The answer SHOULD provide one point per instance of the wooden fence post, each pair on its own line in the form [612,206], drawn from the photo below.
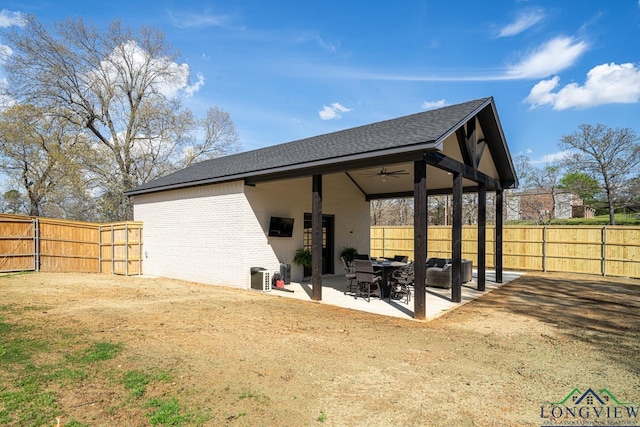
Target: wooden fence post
[126,249]
[99,249]
[544,248]
[604,250]
[139,250]
[113,251]
[36,244]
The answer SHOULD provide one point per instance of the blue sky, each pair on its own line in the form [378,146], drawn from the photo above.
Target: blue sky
[286,70]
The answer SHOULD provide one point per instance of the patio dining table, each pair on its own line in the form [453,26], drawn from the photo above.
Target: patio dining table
[386,267]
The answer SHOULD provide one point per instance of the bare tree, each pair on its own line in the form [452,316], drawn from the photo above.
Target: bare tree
[392,211]
[539,190]
[629,199]
[402,213]
[123,90]
[377,211]
[547,180]
[610,155]
[438,210]
[470,208]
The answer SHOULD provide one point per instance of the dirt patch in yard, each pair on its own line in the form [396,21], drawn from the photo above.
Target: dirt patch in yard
[233,357]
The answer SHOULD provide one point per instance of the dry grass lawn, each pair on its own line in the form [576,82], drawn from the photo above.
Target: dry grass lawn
[104,350]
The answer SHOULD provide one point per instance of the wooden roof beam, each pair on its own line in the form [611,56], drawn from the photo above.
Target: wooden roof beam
[439,160]
[467,142]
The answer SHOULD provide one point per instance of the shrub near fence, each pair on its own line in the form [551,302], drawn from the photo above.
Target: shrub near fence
[54,245]
[605,250]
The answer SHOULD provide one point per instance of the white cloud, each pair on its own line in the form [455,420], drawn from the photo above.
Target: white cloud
[524,21]
[5,52]
[430,105]
[605,84]
[547,59]
[333,111]
[5,101]
[307,37]
[168,78]
[328,46]
[550,58]
[9,19]
[199,20]
[552,158]
[191,89]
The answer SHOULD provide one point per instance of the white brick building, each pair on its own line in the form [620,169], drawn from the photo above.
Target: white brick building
[210,221]
[215,233]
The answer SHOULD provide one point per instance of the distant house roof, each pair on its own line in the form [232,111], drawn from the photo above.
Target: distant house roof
[395,139]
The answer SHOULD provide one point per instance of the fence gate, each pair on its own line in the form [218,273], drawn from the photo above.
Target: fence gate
[19,244]
[58,245]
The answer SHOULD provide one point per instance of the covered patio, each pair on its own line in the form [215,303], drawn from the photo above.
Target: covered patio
[223,205]
[437,300]
[452,150]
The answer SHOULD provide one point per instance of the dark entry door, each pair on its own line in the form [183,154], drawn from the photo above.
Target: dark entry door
[327,242]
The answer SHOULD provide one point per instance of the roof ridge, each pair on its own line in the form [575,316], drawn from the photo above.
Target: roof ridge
[373,138]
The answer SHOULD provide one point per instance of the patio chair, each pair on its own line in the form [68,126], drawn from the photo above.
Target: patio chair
[401,282]
[401,258]
[438,262]
[350,274]
[439,277]
[368,281]
[467,270]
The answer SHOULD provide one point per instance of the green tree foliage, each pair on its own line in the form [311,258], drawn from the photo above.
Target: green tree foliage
[612,156]
[12,202]
[122,90]
[39,152]
[584,186]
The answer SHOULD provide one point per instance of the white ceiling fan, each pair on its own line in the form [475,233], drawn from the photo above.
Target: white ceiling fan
[384,173]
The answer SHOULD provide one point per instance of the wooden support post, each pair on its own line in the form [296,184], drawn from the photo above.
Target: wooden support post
[420,237]
[482,237]
[316,238]
[498,237]
[456,241]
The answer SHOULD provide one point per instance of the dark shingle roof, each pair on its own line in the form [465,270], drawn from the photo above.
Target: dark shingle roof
[368,140]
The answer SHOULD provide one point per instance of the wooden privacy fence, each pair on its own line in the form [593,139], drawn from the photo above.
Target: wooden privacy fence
[55,245]
[605,250]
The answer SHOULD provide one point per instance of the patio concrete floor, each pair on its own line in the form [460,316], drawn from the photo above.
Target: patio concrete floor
[437,302]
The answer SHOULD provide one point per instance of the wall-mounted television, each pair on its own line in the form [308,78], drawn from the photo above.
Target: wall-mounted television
[280,227]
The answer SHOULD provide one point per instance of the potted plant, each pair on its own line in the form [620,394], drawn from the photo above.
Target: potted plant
[349,253]
[303,259]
